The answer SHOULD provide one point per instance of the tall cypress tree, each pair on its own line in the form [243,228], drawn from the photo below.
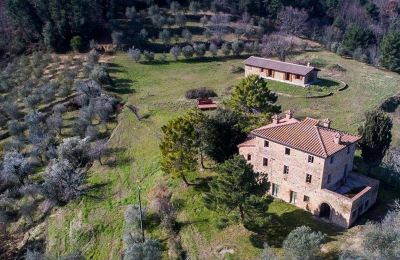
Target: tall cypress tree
[376,136]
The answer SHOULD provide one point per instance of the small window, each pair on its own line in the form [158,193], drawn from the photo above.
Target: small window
[308,178]
[297,76]
[286,169]
[287,151]
[348,149]
[329,179]
[249,157]
[306,198]
[293,197]
[275,189]
[265,161]
[311,159]
[262,70]
[266,143]
[332,159]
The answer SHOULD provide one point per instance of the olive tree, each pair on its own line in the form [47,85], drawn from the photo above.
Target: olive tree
[63,181]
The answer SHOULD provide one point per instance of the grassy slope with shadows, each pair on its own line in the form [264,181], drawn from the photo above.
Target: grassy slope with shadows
[95,224]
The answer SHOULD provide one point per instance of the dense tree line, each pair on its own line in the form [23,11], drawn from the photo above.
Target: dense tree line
[364,30]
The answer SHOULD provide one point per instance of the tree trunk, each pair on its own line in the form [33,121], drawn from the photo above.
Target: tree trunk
[185,180]
[241,213]
[202,160]
[100,160]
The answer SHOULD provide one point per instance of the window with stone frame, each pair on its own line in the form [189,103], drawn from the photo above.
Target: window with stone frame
[287,151]
[311,159]
[248,157]
[266,143]
[286,169]
[306,198]
[293,197]
[308,178]
[275,189]
[265,161]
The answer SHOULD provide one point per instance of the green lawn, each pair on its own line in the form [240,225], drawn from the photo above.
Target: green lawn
[95,223]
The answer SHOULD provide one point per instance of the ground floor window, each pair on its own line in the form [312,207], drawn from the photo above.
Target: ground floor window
[306,198]
[249,157]
[275,189]
[293,197]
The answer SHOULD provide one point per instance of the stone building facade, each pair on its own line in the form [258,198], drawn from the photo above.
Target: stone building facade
[281,71]
[310,165]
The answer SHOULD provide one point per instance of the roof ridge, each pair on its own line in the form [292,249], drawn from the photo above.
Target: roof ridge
[336,130]
[320,140]
[275,126]
[281,61]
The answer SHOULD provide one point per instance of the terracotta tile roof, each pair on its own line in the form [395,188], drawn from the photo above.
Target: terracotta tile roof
[307,136]
[278,65]
[250,142]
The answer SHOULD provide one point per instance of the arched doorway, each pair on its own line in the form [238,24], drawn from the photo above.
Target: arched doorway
[324,211]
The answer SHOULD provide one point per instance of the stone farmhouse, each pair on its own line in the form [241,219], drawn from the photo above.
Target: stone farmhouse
[281,71]
[310,165]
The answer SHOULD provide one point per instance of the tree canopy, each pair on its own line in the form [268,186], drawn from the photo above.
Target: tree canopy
[390,51]
[180,145]
[376,136]
[251,95]
[237,187]
[222,134]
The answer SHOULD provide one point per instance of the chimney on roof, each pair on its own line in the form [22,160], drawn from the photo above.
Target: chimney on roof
[338,138]
[275,119]
[289,114]
[326,123]
[308,64]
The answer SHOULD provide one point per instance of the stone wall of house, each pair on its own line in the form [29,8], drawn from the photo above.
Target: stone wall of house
[310,196]
[277,75]
[337,166]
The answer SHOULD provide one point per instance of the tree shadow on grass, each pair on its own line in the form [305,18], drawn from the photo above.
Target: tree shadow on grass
[114,68]
[122,86]
[325,83]
[278,227]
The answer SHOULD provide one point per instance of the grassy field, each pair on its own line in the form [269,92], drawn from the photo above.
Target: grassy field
[95,224]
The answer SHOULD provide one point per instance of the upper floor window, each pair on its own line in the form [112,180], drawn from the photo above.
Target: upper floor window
[287,151]
[332,159]
[266,143]
[308,178]
[249,157]
[311,159]
[348,149]
[286,169]
[306,198]
[265,161]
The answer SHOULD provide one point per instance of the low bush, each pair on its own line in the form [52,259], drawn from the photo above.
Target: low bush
[200,93]
[237,69]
